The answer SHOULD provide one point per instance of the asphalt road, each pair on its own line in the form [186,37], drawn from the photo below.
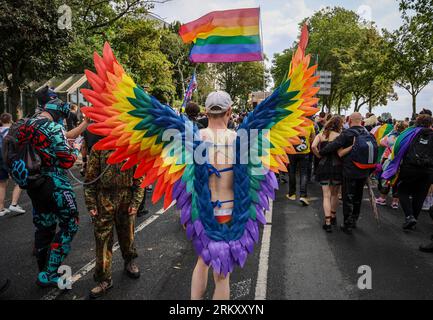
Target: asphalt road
[303,261]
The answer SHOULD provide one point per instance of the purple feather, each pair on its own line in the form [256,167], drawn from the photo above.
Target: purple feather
[206,256]
[198,245]
[263,201]
[242,257]
[183,198]
[254,231]
[267,188]
[189,231]
[260,216]
[198,227]
[272,180]
[178,187]
[216,265]
[224,268]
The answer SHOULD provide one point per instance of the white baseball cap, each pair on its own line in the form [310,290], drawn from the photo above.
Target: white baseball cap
[218,102]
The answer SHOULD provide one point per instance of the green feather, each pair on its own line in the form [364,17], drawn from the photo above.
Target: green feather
[253,212]
[138,104]
[141,95]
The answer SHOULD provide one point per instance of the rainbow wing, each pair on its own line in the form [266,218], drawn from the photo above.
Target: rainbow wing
[133,124]
[284,115]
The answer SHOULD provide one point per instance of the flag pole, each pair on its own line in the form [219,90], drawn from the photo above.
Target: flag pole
[263,61]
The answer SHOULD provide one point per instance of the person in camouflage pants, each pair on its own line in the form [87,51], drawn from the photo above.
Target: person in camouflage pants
[112,200]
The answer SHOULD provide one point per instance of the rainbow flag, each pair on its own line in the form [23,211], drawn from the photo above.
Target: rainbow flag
[190,91]
[379,133]
[225,36]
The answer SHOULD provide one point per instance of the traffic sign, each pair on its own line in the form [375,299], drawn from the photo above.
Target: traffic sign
[325,82]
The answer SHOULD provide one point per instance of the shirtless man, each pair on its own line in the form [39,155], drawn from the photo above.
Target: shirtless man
[220,139]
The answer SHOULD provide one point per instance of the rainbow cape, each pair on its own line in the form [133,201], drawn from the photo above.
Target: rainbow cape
[401,146]
[379,133]
[225,36]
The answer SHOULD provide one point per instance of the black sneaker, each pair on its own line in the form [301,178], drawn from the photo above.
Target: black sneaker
[327,228]
[428,248]
[334,219]
[346,229]
[409,223]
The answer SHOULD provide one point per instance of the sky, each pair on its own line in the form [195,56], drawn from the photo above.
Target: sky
[280,20]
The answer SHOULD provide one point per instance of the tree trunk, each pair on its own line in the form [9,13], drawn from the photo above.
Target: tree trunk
[14,94]
[182,80]
[356,105]
[413,105]
[340,101]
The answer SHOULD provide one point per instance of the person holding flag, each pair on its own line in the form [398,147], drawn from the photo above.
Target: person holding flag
[189,91]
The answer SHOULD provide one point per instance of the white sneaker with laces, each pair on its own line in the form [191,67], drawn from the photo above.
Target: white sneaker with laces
[4,212]
[16,209]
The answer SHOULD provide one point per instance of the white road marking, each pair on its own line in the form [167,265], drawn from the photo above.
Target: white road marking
[162,210]
[53,294]
[262,276]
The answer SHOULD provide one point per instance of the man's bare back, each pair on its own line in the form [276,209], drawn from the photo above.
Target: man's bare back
[221,157]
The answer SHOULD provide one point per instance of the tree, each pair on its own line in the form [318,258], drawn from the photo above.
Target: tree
[386,116]
[29,43]
[240,79]
[281,65]
[97,21]
[33,47]
[144,60]
[330,29]
[366,70]
[95,16]
[412,46]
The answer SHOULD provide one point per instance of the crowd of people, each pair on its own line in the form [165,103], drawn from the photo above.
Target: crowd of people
[341,153]
[339,145]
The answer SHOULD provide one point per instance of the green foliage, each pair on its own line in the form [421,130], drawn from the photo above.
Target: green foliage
[240,79]
[143,60]
[366,70]
[412,47]
[30,43]
[355,53]
[332,28]
[281,65]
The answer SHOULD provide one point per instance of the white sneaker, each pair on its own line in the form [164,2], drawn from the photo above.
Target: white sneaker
[16,209]
[4,212]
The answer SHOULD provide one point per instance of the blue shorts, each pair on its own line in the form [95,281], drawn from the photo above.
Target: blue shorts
[4,175]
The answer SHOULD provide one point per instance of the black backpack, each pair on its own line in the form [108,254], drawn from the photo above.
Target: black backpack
[364,151]
[20,157]
[420,152]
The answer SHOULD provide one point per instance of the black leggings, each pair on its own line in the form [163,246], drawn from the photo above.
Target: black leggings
[412,191]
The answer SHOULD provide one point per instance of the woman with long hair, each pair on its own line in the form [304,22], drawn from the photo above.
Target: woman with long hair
[330,170]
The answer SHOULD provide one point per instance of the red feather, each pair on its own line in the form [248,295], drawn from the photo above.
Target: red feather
[303,42]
